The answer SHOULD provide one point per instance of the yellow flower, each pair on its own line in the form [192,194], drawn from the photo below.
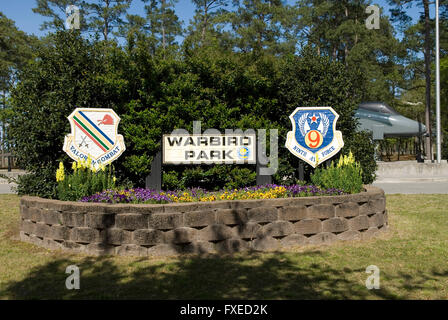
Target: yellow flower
[341,161]
[82,164]
[350,156]
[60,175]
[114,179]
[86,164]
[74,166]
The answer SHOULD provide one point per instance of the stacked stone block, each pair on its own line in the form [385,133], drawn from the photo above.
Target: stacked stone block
[196,228]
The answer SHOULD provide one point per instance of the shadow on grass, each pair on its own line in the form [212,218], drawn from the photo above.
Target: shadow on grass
[250,276]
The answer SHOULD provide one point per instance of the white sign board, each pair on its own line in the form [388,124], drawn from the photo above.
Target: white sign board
[94,133]
[314,137]
[209,149]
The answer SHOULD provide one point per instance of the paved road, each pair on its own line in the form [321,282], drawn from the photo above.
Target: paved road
[6,188]
[413,187]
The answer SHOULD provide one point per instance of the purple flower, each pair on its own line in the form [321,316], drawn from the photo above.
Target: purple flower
[140,195]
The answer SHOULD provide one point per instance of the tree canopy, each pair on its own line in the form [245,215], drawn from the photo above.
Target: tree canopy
[237,64]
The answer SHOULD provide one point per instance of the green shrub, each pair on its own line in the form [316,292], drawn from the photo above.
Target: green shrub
[153,96]
[40,183]
[346,175]
[171,181]
[69,72]
[361,144]
[83,181]
[209,177]
[313,80]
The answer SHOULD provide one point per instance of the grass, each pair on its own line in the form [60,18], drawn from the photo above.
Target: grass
[411,256]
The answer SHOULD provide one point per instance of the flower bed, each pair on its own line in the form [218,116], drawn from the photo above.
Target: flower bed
[148,196]
[203,227]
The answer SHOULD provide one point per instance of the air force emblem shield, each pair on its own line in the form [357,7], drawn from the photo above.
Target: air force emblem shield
[95,134]
[314,138]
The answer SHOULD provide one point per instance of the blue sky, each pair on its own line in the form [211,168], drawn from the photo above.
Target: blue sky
[21,12]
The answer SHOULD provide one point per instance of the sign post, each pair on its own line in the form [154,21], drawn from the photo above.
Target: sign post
[154,180]
[438,121]
[193,149]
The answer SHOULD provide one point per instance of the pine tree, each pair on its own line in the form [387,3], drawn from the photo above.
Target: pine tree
[16,49]
[204,29]
[56,11]
[105,15]
[337,29]
[164,24]
[264,25]
[421,33]
[101,16]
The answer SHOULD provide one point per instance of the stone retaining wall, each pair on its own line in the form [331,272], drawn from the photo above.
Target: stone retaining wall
[222,226]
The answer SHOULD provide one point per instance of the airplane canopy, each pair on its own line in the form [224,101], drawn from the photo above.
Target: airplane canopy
[378,107]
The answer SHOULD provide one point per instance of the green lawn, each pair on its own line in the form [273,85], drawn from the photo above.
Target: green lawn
[412,258]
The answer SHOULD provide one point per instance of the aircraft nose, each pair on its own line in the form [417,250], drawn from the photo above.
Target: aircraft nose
[408,126]
[423,127]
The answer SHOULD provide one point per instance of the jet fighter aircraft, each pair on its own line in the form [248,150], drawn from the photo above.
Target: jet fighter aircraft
[385,122]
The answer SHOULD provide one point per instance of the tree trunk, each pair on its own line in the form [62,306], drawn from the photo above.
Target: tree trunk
[260,35]
[106,30]
[346,49]
[106,22]
[3,135]
[427,53]
[163,25]
[204,25]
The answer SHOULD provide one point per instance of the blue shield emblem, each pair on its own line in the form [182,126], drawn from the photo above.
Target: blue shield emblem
[314,138]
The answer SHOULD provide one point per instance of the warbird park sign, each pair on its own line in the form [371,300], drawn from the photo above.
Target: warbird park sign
[208,149]
[95,134]
[314,137]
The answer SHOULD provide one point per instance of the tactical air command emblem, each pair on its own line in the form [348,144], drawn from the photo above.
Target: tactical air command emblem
[95,134]
[314,138]
[244,153]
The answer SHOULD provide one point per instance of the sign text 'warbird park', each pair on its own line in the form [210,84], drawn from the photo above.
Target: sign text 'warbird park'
[209,148]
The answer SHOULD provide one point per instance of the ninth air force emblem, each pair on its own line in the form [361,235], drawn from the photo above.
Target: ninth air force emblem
[314,138]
